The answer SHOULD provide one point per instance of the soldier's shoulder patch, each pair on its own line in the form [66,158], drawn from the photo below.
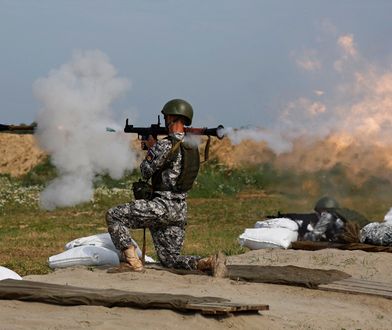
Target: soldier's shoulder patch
[150,156]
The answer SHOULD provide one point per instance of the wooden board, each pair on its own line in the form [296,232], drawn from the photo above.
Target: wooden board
[287,275]
[327,280]
[71,295]
[226,307]
[357,286]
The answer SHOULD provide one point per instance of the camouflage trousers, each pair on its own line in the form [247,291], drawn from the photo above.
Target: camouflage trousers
[166,220]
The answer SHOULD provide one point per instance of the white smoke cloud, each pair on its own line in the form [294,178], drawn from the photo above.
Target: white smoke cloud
[76,109]
[275,140]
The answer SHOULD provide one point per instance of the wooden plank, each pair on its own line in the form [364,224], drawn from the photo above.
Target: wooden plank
[358,286]
[70,295]
[367,283]
[287,275]
[353,286]
[226,307]
[345,289]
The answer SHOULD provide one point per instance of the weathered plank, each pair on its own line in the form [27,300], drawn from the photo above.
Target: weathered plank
[288,275]
[358,286]
[226,307]
[367,283]
[71,295]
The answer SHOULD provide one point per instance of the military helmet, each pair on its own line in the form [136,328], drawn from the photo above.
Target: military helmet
[178,107]
[326,203]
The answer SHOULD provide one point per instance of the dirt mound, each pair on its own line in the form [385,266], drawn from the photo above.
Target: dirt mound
[248,152]
[19,154]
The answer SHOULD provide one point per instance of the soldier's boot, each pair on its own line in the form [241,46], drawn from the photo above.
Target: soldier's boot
[215,264]
[132,262]
[132,259]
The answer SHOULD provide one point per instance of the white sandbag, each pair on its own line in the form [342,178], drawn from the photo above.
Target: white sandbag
[277,223]
[8,273]
[103,240]
[85,256]
[262,238]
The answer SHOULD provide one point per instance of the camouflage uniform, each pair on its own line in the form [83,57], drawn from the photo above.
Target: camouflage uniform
[328,228]
[165,215]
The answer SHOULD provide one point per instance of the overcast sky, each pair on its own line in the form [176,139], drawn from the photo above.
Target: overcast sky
[239,63]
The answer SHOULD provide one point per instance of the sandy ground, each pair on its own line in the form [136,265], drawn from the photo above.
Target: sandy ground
[290,307]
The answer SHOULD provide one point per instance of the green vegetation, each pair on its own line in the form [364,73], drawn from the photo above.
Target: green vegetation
[222,204]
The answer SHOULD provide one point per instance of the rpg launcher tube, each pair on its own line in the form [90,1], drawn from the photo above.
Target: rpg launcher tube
[156,129]
[219,131]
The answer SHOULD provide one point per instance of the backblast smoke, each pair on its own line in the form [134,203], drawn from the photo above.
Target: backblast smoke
[76,109]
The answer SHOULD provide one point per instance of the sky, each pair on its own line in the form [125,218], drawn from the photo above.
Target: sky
[274,71]
[239,63]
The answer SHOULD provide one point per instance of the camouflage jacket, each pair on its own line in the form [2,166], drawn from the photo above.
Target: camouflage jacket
[156,158]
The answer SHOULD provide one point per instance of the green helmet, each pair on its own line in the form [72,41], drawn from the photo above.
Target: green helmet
[326,203]
[178,107]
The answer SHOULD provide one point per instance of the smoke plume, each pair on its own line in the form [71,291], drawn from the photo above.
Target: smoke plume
[344,122]
[76,109]
[273,139]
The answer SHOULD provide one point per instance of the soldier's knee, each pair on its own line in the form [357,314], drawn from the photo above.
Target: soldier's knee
[109,217]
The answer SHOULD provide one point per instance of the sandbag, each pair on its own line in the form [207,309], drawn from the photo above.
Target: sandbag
[103,240]
[8,273]
[85,256]
[277,223]
[262,238]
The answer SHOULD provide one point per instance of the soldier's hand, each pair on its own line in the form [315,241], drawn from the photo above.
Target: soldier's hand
[150,141]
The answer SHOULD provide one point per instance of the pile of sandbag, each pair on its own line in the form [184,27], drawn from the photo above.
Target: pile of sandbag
[378,233]
[271,233]
[95,250]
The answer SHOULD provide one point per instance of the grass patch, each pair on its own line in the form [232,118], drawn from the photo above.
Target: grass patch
[40,174]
